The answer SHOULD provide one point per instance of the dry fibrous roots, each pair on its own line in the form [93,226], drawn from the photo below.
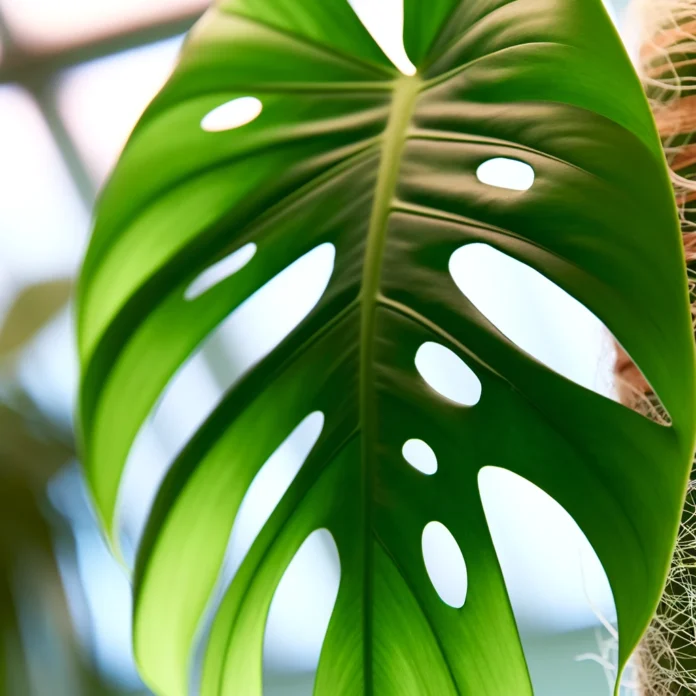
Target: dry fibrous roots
[665,33]
[666,659]
[667,65]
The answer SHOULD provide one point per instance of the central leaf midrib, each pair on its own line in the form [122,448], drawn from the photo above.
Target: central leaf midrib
[403,103]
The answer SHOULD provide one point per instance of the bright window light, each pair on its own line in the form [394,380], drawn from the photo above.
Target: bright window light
[101,101]
[385,22]
[48,24]
[43,223]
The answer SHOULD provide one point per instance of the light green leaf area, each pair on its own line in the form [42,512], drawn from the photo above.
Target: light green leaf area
[347,151]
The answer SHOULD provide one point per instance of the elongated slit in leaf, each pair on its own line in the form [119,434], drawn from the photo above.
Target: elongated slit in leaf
[220,271]
[299,615]
[519,301]
[260,500]
[554,577]
[237,343]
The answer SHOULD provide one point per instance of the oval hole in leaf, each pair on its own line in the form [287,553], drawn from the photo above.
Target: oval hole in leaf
[232,114]
[420,456]
[445,564]
[302,605]
[502,172]
[553,575]
[384,21]
[245,337]
[448,374]
[538,316]
[219,271]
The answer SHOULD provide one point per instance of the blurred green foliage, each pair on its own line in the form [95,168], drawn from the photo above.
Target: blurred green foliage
[40,654]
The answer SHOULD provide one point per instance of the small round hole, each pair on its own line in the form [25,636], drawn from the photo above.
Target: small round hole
[502,172]
[420,456]
[232,114]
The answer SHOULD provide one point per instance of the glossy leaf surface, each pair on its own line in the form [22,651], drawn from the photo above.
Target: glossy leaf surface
[346,150]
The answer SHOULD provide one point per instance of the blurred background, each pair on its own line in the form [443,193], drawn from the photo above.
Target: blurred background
[74,77]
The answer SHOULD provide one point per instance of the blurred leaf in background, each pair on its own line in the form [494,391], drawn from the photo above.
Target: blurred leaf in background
[33,308]
[40,652]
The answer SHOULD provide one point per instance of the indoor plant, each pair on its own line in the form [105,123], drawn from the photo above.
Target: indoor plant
[328,144]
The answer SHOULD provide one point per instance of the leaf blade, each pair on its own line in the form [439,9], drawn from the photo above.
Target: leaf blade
[492,88]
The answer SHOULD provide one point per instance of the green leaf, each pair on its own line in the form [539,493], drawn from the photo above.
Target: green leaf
[347,151]
[33,308]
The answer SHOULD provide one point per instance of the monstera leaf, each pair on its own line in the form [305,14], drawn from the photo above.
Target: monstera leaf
[335,146]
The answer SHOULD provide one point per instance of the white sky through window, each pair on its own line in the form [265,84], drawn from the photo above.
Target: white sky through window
[50,24]
[101,101]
